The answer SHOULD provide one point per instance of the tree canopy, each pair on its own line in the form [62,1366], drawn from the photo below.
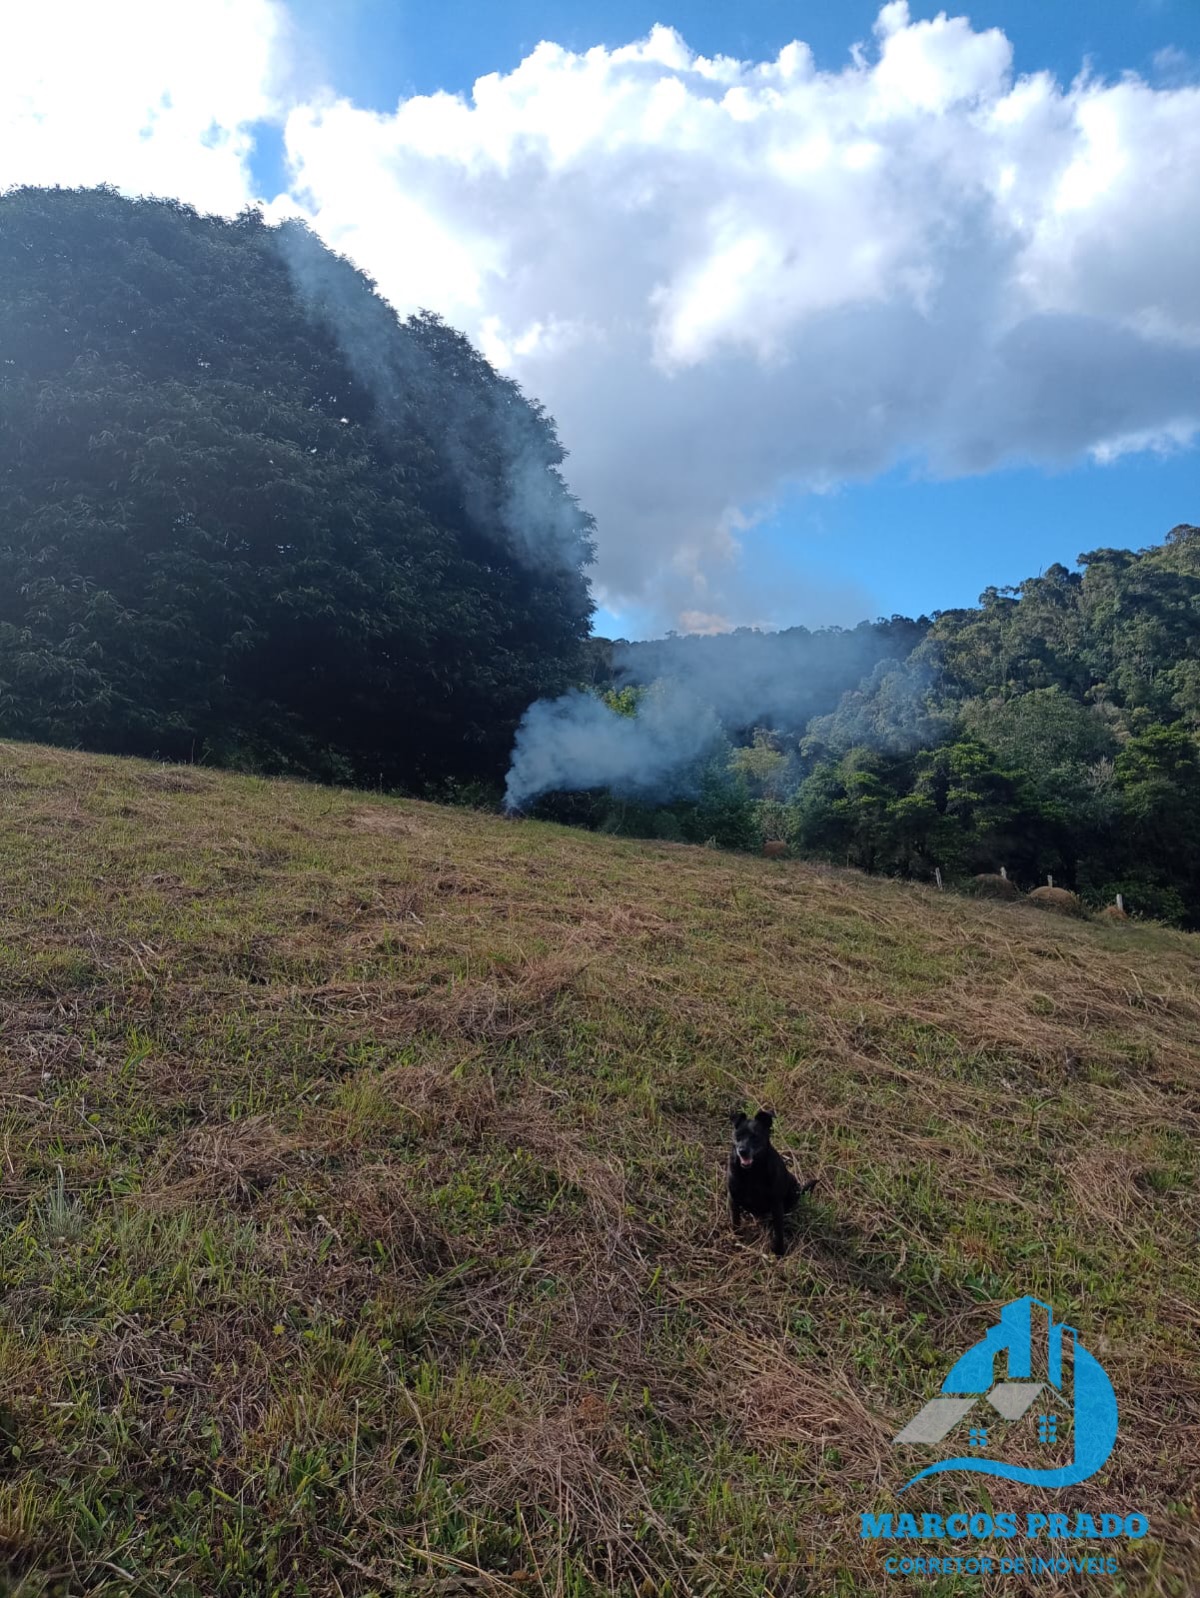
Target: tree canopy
[1052,730]
[246,512]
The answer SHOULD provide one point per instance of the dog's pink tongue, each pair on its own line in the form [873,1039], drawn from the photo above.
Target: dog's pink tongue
[744,1160]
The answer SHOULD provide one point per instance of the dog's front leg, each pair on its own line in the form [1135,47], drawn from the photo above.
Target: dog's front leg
[777,1226]
[735,1211]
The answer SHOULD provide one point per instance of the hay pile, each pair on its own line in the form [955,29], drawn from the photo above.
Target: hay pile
[991,885]
[1056,899]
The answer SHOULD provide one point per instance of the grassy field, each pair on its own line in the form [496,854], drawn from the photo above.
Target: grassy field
[363,1214]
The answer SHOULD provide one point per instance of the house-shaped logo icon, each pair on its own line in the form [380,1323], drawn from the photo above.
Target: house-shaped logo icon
[1075,1394]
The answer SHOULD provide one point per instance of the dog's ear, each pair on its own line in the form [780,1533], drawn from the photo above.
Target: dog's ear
[764,1119]
[737,1117]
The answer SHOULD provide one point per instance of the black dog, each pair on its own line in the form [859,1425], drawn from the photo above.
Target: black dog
[759,1181]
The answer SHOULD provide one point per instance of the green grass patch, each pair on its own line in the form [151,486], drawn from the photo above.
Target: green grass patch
[363,1215]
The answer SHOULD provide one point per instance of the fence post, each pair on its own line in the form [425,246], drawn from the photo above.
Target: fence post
[937,871]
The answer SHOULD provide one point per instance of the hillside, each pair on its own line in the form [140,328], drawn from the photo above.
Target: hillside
[249,516]
[362,1174]
[1053,730]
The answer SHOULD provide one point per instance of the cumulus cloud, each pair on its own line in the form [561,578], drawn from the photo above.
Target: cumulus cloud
[729,281]
[154,98]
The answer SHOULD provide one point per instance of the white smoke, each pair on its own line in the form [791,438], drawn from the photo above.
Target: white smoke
[780,680]
[893,711]
[578,741]
[697,691]
[482,413]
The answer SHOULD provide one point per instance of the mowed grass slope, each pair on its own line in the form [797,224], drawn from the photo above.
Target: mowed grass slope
[363,1214]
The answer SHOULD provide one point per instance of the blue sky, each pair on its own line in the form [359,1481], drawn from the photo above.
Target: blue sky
[929,545]
[904,540]
[379,50]
[829,330]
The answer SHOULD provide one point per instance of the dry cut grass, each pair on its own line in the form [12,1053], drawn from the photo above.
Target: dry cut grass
[364,1233]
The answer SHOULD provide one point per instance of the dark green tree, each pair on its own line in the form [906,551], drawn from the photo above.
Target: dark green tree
[1052,729]
[1158,778]
[246,512]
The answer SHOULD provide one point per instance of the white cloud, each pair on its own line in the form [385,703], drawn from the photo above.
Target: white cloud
[1174,66]
[726,278]
[723,278]
[154,96]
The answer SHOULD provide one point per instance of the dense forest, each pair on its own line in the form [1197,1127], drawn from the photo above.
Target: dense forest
[1050,731]
[250,516]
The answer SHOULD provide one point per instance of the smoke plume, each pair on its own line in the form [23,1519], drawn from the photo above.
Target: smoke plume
[499,446]
[781,680]
[703,690]
[893,711]
[577,742]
